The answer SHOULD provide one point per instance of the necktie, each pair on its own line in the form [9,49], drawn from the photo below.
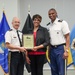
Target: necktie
[19,38]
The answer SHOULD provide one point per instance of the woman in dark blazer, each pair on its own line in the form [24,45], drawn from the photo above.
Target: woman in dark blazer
[41,41]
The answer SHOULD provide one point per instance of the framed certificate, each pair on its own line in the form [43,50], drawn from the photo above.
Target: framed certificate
[28,41]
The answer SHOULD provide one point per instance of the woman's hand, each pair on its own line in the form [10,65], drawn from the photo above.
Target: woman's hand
[35,48]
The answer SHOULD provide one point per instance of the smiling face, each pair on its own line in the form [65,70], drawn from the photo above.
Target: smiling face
[52,14]
[36,20]
[16,23]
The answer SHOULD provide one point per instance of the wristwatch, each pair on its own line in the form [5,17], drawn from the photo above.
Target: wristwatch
[67,50]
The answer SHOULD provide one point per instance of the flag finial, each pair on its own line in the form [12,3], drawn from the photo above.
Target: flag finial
[29,9]
[3,6]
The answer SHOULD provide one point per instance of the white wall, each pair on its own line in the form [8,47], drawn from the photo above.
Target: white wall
[65,9]
[11,9]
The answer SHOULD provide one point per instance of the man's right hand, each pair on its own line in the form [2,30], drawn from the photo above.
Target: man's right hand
[22,49]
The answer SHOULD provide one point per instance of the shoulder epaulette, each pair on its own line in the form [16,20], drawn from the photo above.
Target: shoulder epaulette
[48,23]
[10,29]
[60,20]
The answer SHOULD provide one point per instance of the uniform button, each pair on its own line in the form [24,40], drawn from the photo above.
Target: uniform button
[55,46]
[57,32]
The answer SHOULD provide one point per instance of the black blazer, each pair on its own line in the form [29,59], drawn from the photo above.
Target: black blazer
[42,37]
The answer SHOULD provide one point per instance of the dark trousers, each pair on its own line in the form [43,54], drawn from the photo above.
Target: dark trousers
[57,61]
[16,63]
[37,62]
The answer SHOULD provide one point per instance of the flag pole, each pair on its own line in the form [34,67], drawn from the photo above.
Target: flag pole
[65,66]
[3,11]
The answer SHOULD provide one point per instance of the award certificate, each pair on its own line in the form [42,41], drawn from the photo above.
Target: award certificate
[28,41]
